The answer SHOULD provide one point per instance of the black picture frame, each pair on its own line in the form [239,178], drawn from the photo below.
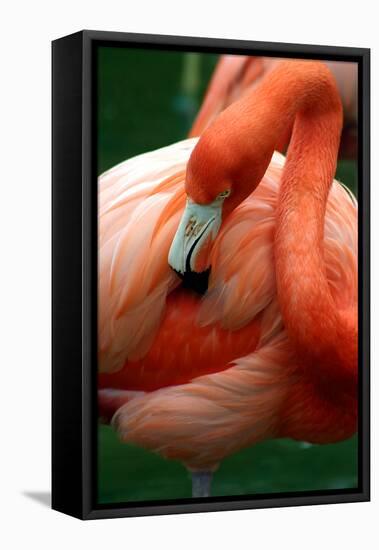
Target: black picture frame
[74,272]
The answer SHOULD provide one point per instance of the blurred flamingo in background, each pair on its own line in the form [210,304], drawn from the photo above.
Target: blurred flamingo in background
[269,347]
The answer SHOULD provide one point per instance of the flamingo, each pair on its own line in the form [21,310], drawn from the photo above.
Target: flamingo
[265,345]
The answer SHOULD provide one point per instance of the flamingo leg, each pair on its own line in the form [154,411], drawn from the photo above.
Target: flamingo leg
[201,484]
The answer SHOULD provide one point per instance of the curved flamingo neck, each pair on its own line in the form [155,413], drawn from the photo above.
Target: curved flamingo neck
[301,96]
[324,337]
[321,333]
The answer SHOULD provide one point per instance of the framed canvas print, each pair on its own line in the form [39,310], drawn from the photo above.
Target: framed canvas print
[210,274]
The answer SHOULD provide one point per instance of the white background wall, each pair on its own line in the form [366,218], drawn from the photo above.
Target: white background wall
[26,31]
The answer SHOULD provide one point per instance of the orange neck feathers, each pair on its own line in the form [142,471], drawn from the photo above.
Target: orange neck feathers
[235,151]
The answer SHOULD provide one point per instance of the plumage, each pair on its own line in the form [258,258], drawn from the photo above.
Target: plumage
[200,377]
[223,362]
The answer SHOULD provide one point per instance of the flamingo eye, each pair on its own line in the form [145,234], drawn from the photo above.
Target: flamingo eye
[224,194]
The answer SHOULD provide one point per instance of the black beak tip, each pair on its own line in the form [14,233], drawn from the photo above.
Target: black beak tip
[198,282]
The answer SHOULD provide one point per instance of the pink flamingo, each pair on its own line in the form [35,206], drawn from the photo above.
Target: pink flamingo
[270,349]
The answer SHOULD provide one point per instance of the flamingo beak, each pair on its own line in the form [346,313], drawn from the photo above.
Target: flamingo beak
[197,230]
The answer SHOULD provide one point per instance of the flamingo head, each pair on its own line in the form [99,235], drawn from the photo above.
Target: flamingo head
[214,187]
[198,228]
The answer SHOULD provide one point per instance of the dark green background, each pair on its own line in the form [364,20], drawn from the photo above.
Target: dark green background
[148,99]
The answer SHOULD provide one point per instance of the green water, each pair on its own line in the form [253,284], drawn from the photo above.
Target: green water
[147,100]
[128,473]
